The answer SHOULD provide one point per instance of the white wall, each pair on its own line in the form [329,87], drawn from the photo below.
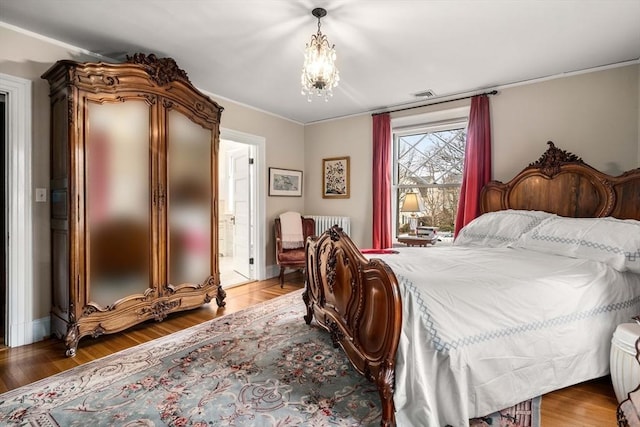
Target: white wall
[593,115]
[348,137]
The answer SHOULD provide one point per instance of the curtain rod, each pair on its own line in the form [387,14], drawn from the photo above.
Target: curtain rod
[493,92]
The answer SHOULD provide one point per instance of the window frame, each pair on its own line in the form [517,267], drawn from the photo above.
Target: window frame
[412,125]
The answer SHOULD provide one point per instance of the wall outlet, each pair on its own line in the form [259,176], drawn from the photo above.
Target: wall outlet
[41,195]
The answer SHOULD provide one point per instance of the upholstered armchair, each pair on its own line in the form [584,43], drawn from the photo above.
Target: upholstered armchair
[292,258]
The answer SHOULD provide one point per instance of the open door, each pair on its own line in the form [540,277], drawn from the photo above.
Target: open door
[242,206]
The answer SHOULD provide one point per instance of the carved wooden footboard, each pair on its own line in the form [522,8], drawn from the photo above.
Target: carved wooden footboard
[358,302]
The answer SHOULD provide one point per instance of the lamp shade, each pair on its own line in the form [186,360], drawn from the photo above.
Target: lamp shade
[412,203]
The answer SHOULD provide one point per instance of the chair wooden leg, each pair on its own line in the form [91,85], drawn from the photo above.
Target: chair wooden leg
[282,277]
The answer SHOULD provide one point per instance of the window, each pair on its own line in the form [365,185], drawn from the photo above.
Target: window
[428,160]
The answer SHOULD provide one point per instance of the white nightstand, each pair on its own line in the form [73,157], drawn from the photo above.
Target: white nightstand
[625,369]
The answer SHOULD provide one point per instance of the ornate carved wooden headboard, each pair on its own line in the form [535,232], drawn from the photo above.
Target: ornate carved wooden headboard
[561,183]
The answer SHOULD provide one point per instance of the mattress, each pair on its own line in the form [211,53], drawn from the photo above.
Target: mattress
[486,328]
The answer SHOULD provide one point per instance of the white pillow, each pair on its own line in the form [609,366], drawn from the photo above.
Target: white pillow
[500,228]
[610,240]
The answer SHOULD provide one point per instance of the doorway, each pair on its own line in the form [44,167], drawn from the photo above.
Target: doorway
[237,213]
[20,328]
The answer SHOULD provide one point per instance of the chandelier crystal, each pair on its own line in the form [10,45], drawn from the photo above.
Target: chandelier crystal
[319,72]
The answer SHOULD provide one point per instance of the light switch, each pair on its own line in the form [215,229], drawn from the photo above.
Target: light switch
[41,194]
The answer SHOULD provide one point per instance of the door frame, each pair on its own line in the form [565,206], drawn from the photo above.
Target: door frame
[21,329]
[259,230]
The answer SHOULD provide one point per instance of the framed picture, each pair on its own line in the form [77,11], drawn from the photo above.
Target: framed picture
[335,178]
[285,182]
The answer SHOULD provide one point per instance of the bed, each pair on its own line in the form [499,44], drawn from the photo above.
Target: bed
[524,302]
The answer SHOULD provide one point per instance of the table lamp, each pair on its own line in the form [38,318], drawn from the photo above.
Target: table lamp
[412,203]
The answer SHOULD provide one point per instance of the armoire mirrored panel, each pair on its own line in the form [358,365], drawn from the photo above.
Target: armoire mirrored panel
[190,193]
[117,189]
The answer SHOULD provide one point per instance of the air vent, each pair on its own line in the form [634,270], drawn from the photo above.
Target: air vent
[425,94]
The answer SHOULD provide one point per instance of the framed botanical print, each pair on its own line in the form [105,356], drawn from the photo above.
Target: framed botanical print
[285,182]
[335,178]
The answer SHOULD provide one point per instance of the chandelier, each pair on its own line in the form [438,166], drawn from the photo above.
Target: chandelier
[319,72]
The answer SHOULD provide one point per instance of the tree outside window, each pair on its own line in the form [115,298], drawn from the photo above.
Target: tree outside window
[430,162]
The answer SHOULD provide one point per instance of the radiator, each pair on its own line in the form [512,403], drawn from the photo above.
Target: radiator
[325,222]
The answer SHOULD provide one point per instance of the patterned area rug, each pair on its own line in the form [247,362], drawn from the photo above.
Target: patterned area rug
[263,366]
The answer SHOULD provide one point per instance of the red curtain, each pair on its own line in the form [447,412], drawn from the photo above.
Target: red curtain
[477,161]
[381,181]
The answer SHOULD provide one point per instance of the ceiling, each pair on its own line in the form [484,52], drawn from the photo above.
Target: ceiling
[251,51]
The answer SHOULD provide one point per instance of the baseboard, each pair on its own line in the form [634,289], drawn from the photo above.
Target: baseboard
[272,271]
[29,332]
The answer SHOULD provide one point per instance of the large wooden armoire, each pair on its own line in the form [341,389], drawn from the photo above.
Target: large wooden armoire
[134,206]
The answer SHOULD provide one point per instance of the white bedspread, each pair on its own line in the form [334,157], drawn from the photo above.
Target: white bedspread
[486,328]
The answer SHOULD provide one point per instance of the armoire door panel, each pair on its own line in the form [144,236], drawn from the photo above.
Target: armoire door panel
[117,200]
[189,201]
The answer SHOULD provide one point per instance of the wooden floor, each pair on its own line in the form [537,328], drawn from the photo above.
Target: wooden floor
[588,404]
